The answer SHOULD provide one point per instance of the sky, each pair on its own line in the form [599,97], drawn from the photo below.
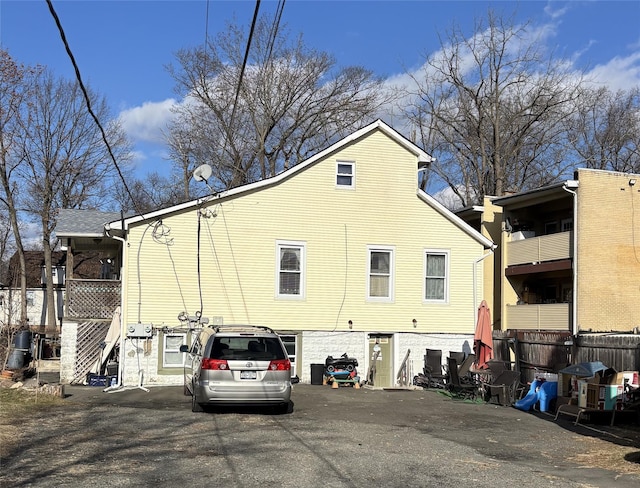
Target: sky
[122,47]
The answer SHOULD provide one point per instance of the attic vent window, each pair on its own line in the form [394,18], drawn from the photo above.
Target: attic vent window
[345,174]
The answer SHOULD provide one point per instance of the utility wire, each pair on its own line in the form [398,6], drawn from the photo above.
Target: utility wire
[244,61]
[88,102]
[274,30]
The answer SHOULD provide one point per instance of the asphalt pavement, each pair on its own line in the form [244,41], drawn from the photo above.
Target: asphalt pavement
[341,437]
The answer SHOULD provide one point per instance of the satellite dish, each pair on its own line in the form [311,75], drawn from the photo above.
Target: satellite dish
[202,173]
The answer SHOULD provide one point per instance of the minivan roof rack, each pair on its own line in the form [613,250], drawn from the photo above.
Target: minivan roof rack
[236,327]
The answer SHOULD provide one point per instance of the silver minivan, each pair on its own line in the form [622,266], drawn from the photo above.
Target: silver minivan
[238,365]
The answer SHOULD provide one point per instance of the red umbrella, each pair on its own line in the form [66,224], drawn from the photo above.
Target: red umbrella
[483,339]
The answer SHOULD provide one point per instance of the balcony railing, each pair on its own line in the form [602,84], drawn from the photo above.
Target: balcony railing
[92,299]
[549,247]
[547,316]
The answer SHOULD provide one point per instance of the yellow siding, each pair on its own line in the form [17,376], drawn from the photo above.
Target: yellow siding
[608,251]
[238,252]
[492,230]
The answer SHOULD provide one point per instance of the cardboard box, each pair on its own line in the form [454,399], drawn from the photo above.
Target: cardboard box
[629,377]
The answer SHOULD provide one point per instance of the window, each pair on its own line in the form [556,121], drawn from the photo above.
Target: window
[57,275]
[380,283]
[567,225]
[171,355]
[290,269]
[345,175]
[436,276]
[31,298]
[550,227]
[289,342]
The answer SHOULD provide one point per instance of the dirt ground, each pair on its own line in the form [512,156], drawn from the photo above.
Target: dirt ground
[334,437]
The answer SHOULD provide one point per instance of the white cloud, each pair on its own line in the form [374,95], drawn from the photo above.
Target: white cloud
[146,122]
[620,73]
[553,12]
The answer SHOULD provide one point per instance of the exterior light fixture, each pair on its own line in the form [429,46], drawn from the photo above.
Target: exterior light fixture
[350,324]
[632,181]
[415,323]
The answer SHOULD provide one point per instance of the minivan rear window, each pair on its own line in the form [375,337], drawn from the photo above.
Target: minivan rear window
[256,348]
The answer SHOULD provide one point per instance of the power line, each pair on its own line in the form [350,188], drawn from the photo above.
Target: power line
[88,102]
[274,29]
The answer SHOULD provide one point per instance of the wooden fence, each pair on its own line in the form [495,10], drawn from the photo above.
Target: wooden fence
[550,351]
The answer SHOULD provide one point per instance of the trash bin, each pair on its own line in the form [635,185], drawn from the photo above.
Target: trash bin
[22,340]
[317,374]
[16,359]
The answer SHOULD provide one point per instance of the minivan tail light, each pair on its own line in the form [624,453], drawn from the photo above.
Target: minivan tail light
[280,365]
[215,364]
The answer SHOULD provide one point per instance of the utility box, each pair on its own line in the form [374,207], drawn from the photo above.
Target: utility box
[139,330]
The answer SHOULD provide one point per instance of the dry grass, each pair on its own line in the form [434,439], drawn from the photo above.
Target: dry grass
[16,405]
[605,455]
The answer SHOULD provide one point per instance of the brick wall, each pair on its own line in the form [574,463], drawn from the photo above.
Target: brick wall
[608,261]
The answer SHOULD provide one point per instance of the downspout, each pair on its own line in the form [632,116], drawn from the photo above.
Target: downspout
[119,381]
[574,294]
[475,279]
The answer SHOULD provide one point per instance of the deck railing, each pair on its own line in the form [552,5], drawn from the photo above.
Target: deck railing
[544,316]
[92,299]
[540,249]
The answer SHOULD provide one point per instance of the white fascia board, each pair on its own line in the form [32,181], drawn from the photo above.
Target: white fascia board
[454,219]
[378,124]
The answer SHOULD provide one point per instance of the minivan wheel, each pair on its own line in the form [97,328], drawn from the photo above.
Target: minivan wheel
[195,406]
[284,408]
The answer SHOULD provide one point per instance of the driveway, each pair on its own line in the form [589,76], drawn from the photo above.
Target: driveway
[335,437]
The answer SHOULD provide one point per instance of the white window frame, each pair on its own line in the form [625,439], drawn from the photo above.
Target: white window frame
[447,269]
[351,175]
[165,349]
[291,339]
[392,266]
[302,246]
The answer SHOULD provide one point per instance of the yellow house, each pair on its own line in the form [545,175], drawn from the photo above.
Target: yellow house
[571,255]
[339,254]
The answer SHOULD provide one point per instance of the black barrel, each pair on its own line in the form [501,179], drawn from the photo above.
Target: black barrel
[317,373]
[16,359]
[22,340]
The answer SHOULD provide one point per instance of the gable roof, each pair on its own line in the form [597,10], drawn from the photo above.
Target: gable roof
[455,220]
[73,222]
[420,154]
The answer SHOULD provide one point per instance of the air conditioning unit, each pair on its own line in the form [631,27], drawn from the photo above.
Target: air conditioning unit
[139,330]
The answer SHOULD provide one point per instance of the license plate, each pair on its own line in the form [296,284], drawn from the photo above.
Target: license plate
[248,375]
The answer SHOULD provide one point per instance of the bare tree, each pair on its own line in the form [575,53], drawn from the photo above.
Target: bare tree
[490,108]
[15,84]
[604,130]
[65,161]
[292,102]
[152,192]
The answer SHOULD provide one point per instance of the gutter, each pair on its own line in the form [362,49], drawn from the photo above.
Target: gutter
[567,186]
[475,279]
